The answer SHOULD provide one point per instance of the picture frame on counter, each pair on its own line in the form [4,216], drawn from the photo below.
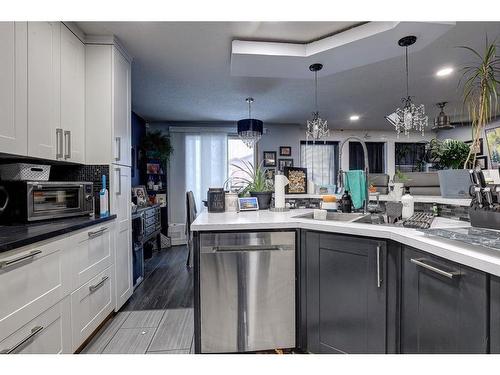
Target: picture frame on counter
[482,161]
[283,163]
[493,142]
[141,194]
[269,158]
[161,199]
[286,151]
[248,204]
[297,178]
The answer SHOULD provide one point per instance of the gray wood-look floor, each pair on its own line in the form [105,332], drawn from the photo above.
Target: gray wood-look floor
[158,318]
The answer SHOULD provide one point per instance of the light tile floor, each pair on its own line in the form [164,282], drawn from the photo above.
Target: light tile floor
[146,331]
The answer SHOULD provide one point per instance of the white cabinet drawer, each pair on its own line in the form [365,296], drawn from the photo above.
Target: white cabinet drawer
[90,305]
[32,279]
[48,333]
[91,254]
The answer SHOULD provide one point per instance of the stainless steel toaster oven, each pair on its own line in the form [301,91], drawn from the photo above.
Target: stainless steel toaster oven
[27,201]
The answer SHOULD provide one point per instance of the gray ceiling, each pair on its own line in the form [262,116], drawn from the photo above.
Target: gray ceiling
[181,72]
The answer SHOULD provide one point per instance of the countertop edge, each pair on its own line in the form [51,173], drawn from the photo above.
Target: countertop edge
[481,258]
[4,247]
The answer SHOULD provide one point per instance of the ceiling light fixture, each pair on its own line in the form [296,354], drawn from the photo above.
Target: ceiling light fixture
[411,116]
[354,118]
[317,128]
[442,121]
[444,72]
[249,129]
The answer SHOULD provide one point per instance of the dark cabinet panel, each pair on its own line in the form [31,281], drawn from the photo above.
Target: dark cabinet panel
[495,315]
[444,306]
[346,294]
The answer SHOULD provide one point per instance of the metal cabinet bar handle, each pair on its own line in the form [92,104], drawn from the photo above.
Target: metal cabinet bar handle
[67,144]
[97,232]
[34,331]
[119,178]
[93,288]
[7,263]
[59,143]
[379,278]
[420,262]
[118,148]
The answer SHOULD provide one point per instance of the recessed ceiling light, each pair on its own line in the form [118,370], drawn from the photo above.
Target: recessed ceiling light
[354,118]
[444,72]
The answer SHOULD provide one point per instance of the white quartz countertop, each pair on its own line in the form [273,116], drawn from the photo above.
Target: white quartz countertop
[484,259]
[383,198]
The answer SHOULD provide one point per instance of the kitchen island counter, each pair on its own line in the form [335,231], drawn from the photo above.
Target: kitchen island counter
[481,258]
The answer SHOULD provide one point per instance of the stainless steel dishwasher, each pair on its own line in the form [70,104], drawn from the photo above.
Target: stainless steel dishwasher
[247,291]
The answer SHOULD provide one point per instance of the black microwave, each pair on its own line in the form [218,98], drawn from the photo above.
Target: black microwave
[28,201]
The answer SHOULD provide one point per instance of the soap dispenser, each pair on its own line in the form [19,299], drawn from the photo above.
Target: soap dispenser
[408,204]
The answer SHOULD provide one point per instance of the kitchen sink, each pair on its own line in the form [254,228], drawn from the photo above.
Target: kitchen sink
[336,216]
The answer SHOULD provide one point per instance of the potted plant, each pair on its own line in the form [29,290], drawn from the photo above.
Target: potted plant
[450,158]
[157,145]
[252,180]
[398,183]
[480,95]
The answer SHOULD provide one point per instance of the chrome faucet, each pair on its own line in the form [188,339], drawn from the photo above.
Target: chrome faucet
[340,180]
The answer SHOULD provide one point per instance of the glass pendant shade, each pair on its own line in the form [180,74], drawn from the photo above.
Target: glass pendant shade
[250,130]
[317,127]
[411,117]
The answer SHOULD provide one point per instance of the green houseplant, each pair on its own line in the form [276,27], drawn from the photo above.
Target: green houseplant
[155,144]
[480,93]
[252,180]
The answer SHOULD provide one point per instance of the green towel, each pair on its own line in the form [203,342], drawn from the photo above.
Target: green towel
[355,183]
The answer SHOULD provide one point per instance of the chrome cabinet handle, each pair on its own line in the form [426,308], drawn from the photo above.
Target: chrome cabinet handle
[67,144]
[34,331]
[97,232]
[379,274]
[420,262]
[119,148]
[8,263]
[93,288]
[119,192]
[59,143]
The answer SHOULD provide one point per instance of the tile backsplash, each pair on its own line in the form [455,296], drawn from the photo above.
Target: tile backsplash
[88,173]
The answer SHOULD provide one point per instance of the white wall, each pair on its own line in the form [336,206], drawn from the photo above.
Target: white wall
[292,134]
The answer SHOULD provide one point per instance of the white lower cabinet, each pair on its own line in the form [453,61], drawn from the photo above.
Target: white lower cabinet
[48,333]
[91,253]
[90,305]
[32,279]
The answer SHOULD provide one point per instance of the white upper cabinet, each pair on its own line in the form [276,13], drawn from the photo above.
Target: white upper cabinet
[107,106]
[72,96]
[45,135]
[121,109]
[13,91]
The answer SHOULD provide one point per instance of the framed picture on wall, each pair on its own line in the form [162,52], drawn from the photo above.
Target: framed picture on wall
[480,151]
[297,178]
[282,163]
[493,142]
[269,158]
[285,151]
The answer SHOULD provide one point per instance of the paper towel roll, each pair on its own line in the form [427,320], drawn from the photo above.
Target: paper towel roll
[280,181]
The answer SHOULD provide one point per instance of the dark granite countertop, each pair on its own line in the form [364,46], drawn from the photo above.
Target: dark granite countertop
[14,236]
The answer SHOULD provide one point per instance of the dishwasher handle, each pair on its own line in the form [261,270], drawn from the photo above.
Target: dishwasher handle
[246,248]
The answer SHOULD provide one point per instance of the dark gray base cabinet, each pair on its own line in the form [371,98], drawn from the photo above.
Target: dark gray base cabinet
[495,315]
[346,294]
[444,306]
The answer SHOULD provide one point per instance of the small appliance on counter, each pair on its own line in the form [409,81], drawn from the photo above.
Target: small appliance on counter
[29,201]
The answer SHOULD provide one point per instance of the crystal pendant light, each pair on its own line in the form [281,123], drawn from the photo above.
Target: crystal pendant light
[317,128]
[249,129]
[411,116]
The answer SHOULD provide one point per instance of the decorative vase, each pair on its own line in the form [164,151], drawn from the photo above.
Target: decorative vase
[263,197]
[454,183]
